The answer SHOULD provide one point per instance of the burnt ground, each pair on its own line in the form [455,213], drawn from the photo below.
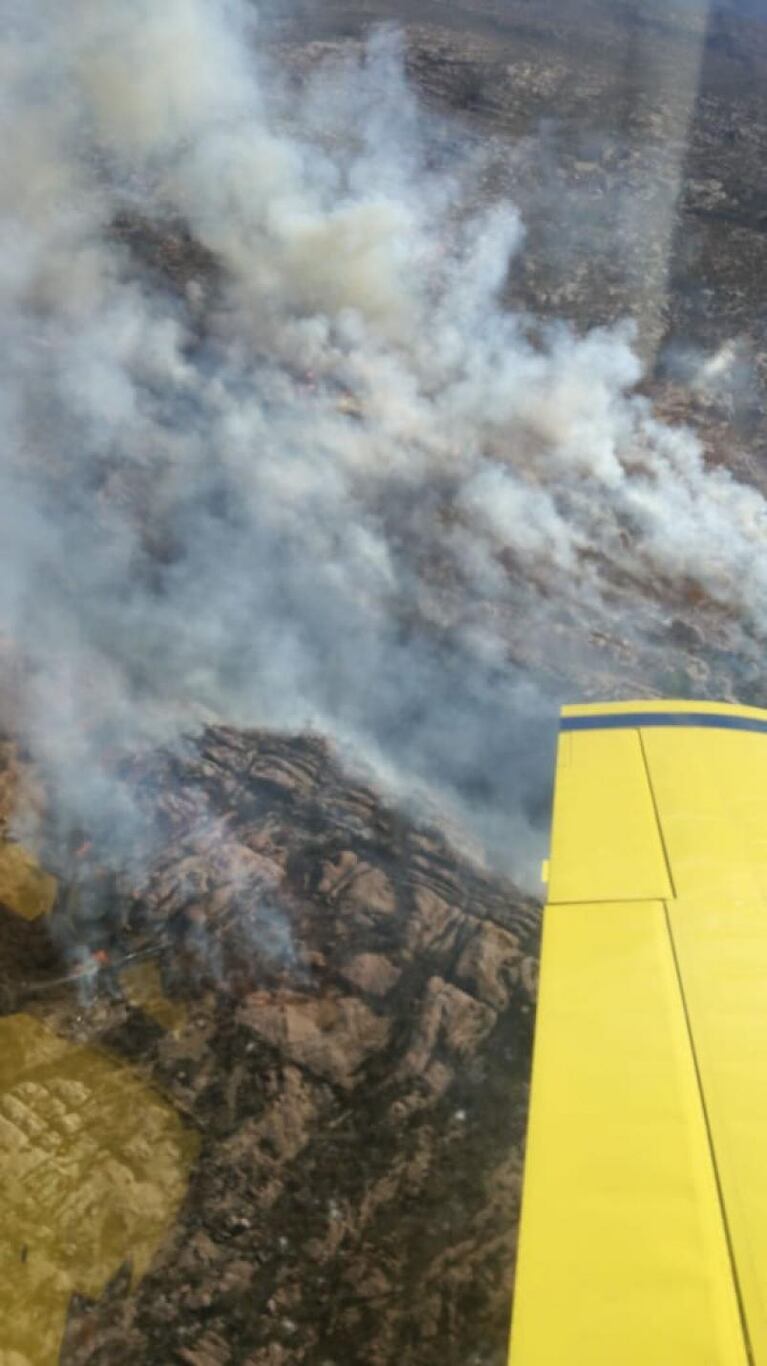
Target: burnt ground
[335,999]
[341,1007]
[630,135]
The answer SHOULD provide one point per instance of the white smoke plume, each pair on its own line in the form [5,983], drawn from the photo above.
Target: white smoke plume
[331,481]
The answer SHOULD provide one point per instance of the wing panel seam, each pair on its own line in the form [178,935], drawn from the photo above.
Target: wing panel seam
[709,1138]
[656,810]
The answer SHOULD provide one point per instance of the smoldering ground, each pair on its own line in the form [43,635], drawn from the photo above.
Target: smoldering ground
[328,481]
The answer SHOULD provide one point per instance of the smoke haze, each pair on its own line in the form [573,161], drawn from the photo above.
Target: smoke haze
[330,481]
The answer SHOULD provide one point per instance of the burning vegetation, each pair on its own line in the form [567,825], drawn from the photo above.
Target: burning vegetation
[306,533]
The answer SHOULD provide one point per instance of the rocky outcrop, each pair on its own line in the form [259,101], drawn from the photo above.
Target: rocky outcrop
[340,1007]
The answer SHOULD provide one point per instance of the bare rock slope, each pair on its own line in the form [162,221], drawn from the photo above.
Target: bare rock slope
[340,1005]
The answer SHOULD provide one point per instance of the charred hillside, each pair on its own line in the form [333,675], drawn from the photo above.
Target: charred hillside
[340,1006]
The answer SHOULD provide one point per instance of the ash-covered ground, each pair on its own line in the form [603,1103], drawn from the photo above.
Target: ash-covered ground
[334,992]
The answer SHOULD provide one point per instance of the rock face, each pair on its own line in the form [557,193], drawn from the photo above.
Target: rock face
[329,1037]
[341,1008]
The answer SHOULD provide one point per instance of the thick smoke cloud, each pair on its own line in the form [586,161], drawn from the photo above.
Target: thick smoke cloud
[331,481]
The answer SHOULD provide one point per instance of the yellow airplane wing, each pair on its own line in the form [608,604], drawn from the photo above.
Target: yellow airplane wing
[643,1239]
